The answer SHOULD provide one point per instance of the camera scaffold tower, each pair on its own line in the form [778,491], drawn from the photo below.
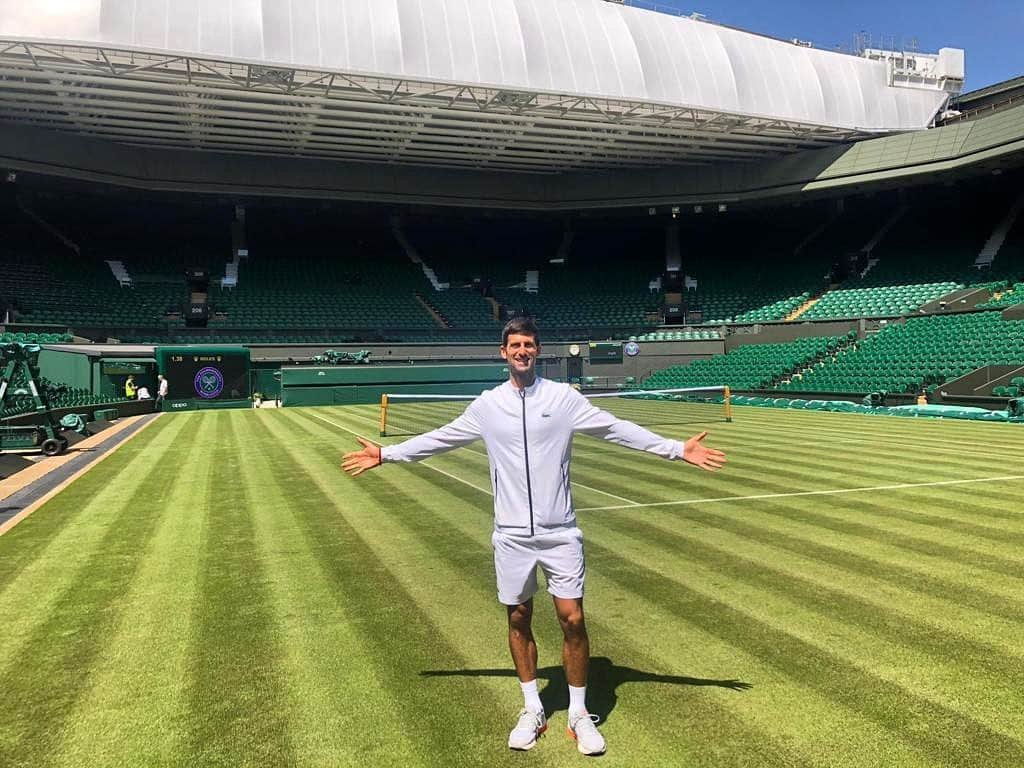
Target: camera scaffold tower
[15,358]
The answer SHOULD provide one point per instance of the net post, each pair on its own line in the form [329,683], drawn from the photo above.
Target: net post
[383,415]
[728,403]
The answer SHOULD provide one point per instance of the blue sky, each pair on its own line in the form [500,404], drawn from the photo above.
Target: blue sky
[990,31]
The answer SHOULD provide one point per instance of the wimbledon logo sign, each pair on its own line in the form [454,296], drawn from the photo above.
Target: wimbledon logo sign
[209,383]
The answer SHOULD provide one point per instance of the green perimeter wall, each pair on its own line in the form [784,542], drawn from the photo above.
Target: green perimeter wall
[264,380]
[69,368]
[84,371]
[356,384]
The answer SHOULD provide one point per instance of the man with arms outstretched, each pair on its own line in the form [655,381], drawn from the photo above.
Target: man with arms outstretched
[527,425]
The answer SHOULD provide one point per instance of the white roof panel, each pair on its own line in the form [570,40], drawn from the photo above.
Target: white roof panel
[572,47]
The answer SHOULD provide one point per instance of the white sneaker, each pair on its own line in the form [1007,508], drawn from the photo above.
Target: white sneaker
[530,725]
[589,740]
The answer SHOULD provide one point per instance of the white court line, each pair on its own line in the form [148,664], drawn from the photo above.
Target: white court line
[808,493]
[428,466]
[631,503]
[482,453]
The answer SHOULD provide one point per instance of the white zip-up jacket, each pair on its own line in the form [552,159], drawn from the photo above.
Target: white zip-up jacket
[528,435]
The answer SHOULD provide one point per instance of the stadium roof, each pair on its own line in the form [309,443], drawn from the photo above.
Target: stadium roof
[531,85]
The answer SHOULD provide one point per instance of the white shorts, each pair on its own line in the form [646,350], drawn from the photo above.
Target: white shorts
[558,553]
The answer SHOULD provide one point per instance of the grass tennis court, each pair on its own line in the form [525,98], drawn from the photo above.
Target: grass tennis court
[849,591]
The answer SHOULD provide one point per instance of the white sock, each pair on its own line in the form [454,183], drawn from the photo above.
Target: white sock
[531,698]
[577,700]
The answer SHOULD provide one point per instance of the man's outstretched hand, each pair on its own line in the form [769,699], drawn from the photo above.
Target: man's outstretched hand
[357,462]
[700,455]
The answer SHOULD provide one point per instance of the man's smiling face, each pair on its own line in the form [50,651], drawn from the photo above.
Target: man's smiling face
[520,351]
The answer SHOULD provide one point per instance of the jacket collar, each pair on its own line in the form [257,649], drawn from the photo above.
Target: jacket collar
[530,390]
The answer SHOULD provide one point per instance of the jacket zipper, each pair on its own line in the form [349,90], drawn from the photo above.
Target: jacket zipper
[526,457]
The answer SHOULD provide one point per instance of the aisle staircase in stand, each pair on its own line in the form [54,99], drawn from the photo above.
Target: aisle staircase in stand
[803,308]
[988,251]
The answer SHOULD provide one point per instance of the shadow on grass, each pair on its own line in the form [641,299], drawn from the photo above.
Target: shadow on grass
[602,686]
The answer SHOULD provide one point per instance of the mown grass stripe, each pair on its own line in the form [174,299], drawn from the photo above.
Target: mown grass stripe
[891,433]
[773,525]
[983,672]
[50,671]
[996,506]
[859,437]
[978,543]
[233,686]
[27,542]
[947,613]
[945,736]
[135,705]
[46,567]
[333,693]
[995,550]
[690,703]
[874,525]
[399,630]
[796,467]
[836,517]
[962,517]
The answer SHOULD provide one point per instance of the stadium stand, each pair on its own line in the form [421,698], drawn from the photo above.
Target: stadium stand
[1008,269]
[31,337]
[701,335]
[919,354]
[462,308]
[917,261]
[316,274]
[1007,298]
[750,268]
[751,366]
[307,271]
[57,288]
[597,277]
[882,301]
[302,292]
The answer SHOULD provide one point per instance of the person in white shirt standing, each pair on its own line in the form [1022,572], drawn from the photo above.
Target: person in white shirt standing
[161,392]
[527,425]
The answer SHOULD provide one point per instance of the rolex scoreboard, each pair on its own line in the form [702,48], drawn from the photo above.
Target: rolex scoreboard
[204,375]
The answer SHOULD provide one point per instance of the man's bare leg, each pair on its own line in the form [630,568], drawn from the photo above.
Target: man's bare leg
[521,642]
[575,643]
[576,659]
[532,721]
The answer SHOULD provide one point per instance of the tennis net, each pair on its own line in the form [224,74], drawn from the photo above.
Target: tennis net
[411,414]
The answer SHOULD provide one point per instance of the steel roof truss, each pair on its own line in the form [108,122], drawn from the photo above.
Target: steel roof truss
[175,100]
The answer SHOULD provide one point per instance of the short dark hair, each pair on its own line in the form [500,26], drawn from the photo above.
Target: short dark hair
[524,326]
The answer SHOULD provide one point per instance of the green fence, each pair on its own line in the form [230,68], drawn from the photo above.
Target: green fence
[351,385]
